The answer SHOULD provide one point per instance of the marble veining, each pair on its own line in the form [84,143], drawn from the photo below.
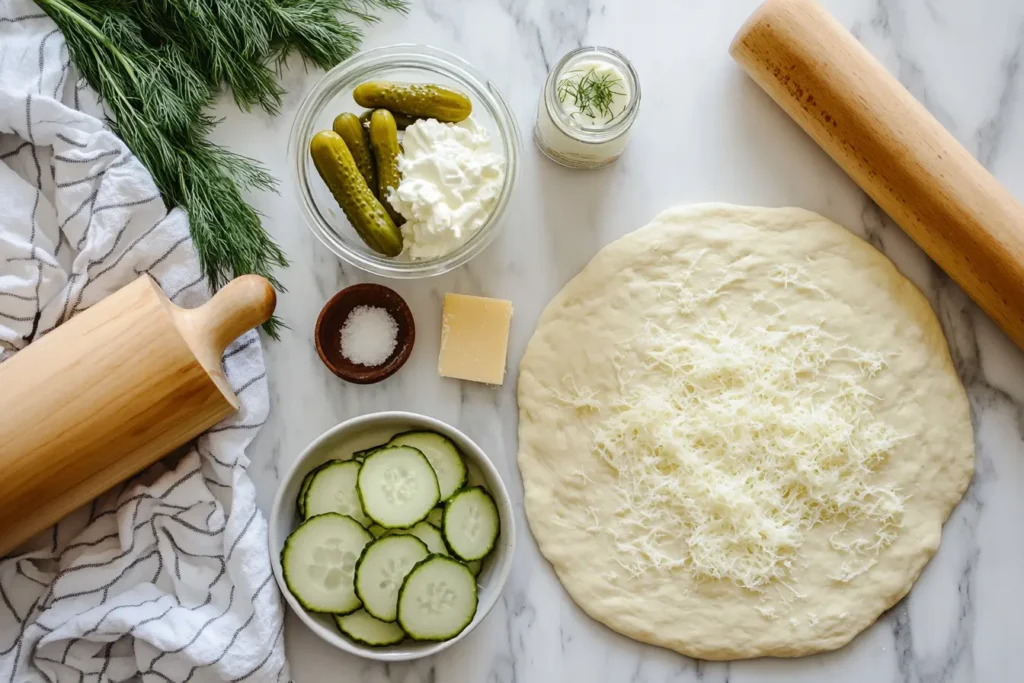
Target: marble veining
[705,133]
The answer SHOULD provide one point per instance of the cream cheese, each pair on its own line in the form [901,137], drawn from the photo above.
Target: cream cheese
[451,180]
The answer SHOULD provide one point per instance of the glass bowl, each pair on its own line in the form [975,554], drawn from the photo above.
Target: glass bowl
[332,95]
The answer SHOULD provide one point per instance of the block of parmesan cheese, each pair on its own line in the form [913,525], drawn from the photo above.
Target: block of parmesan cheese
[474,338]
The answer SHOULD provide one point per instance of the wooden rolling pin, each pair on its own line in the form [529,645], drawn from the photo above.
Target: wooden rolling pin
[893,148]
[111,391]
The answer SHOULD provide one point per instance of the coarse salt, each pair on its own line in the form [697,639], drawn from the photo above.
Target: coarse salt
[368,336]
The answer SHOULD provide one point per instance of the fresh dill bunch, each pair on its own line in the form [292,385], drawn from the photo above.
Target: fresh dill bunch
[158,64]
[591,93]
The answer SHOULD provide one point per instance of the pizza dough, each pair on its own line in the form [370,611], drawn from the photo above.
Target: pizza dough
[740,433]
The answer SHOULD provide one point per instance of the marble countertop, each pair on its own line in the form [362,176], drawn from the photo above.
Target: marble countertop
[705,133]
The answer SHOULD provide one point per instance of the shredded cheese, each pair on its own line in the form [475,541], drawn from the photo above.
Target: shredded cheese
[730,442]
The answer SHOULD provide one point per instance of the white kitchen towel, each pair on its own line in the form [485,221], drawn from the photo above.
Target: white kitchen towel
[166,578]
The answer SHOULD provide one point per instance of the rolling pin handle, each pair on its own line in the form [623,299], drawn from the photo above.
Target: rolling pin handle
[242,304]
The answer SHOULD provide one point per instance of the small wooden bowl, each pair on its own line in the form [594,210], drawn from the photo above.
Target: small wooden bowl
[333,316]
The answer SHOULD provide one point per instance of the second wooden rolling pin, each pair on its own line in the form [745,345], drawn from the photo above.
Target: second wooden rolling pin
[111,391]
[893,148]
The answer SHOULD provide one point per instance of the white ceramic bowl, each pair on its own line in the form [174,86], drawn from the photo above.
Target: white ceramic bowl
[364,432]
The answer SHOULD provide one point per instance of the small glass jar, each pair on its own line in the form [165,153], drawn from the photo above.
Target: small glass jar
[579,144]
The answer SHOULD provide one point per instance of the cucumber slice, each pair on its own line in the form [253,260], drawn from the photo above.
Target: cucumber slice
[381,570]
[438,599]
[300,500]
[361,455]
[430,536]
[444,457]
[333,489]
[434,518]
[428,533]
[376,530]
[397,487]
[470,524]
[319,562]
[475,566]
[363,628]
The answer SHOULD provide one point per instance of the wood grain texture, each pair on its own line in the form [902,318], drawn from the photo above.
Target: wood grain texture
[108,393]
[898,153]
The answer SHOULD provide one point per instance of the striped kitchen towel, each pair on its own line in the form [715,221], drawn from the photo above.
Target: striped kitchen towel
[167,577]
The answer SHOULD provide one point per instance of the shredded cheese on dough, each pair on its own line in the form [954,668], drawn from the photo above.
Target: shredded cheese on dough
[729,445]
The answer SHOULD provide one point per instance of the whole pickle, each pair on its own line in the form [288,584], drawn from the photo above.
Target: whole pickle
[335,164]
[419,100]
[401,120]
[384,141]
[352,132]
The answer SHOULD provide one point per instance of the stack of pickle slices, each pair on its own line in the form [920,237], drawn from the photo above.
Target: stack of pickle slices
[358,159]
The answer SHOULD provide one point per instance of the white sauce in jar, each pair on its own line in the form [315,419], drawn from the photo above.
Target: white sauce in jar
[589,103]
[593,93]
